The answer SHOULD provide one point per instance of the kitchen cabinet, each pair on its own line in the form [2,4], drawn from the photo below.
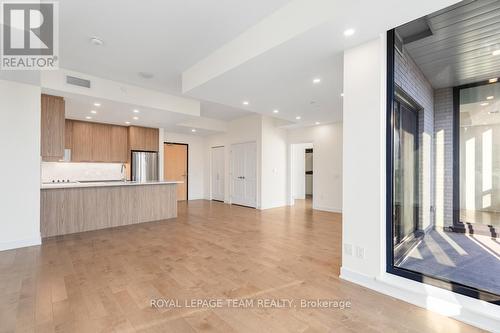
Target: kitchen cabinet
[52,127]
[119,144]
[82,142]
[93,142]
[143,138]
[101,143]
[68,134]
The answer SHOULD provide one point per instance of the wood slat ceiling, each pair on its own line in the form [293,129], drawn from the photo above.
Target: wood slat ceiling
[461,46]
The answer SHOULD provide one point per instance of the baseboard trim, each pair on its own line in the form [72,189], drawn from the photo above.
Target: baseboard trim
[466,309]
[17,244]
[327,209]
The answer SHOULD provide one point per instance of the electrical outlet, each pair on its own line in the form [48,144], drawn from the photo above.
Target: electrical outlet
[348,249]
[360,252]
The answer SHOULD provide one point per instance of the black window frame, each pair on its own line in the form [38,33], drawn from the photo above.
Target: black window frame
[390,267]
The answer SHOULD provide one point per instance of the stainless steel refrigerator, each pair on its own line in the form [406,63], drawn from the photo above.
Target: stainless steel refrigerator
[144,166]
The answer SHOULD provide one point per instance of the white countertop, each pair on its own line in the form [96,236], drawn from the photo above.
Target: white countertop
[47,186]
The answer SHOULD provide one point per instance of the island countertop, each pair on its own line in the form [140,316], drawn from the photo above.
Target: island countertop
[48,186]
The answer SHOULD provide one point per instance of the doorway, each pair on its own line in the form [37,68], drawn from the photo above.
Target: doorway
[218,167]
[406,178]
[175,166]
[301,172]
[244,174]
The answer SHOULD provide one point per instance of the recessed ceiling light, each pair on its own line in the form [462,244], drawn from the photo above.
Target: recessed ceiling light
[93,111]
[193,130]
[88,117]
[276,111]
[484,104]
[493,80]
[342,95]
[136,118]
[245,103]
[136,111]
[97,104]
[349,32]
[317,123]
[490,97]
[127,122]
[496,52]
[146,75]
[298,117]
[96,41]
[316,80]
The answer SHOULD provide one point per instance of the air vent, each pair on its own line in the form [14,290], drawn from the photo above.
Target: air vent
[76,81]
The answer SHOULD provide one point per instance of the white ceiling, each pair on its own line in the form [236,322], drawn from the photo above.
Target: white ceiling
[460,49]
[159,37]
[78,107]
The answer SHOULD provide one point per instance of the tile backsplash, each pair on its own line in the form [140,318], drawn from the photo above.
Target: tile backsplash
[80,171]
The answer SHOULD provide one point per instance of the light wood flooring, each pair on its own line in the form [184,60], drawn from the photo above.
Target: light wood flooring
[103,281]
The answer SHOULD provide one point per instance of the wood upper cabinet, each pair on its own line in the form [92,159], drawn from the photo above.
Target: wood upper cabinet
[119,144]
[93,142]
[143,138]
[82,142]
[68,134]
[52,127]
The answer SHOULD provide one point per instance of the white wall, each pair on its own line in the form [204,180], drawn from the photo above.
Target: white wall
[246,129]
[327,163]
[196,165]
[20,165]
[364,157]
[274,165]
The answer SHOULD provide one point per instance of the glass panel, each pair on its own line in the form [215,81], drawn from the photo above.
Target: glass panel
[480,157]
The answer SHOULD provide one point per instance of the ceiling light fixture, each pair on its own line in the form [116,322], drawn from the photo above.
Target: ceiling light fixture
[127,122]
[496,52]
[88,117]
[97,104]
[298,117]
[96,41]
[93,111]
[276,111]
[136,111]
[317,123]
[193,130]
[349,32]
[316,80]
[245,103]
[490,97]
[342,95]
[484,104]
[136,118]
[494,80]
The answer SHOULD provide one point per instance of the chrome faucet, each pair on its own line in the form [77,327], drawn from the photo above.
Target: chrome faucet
[124,167]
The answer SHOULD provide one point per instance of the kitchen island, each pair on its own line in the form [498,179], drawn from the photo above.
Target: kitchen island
[68,208]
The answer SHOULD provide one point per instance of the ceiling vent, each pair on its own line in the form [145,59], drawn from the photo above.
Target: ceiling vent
[414,30]
[76,81]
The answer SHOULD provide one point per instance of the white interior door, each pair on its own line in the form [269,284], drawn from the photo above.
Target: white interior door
[244,174]
[218,173]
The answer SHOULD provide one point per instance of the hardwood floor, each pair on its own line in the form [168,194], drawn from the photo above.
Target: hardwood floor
[103,281]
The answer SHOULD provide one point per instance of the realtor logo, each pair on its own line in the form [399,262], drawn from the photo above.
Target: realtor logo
[29,36]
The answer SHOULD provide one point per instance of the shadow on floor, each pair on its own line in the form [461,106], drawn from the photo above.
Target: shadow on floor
[472,260]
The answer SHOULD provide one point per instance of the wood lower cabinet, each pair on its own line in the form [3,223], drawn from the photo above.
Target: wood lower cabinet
[93,142]
[143,138]
[52,127]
